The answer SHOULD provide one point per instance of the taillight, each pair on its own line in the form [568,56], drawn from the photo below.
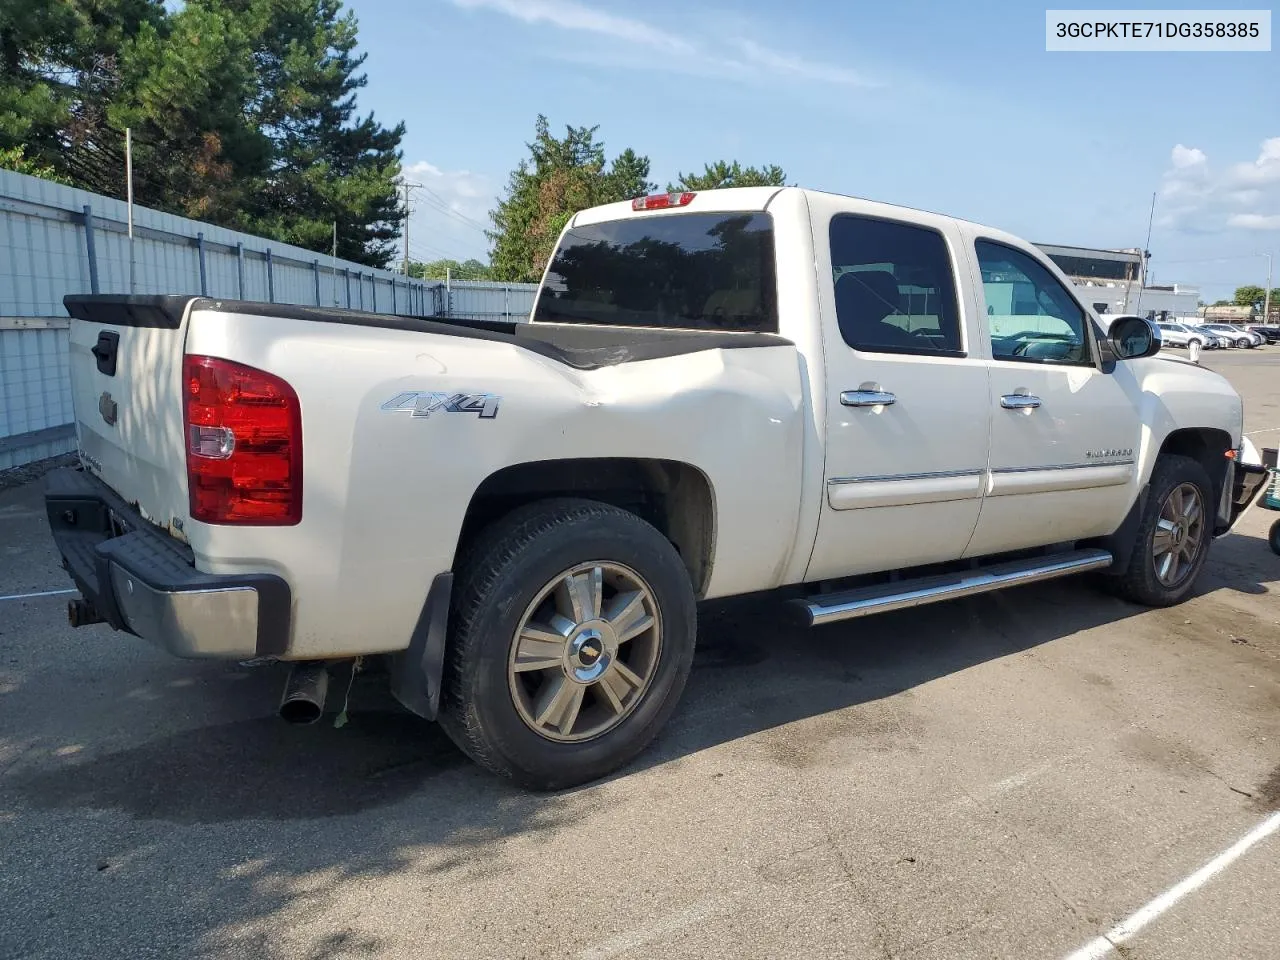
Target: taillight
[244,444]
[661,201]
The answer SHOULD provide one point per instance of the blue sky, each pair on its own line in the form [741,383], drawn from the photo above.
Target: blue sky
[933,105]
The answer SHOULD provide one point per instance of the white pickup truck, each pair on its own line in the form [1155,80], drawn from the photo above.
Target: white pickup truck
[860,406]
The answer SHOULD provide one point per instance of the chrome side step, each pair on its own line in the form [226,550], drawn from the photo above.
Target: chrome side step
[865,601]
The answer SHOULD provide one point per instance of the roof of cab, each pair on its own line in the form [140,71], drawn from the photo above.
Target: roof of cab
[726,199]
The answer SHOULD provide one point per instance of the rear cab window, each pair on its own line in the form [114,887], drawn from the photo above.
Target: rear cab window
[690,271]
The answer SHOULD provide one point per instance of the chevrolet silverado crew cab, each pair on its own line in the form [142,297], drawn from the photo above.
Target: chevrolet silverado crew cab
[858,406]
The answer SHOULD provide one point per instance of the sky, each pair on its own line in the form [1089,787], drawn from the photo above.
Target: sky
[942,106]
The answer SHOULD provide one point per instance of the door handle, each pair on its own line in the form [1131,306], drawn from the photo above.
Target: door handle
[1019,401]
[867,398]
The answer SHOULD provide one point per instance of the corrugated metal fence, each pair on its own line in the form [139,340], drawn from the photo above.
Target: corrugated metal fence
[56,240]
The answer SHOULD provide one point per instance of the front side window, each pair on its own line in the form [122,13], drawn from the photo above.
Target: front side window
[1032,317]
[894,287]
[690,271]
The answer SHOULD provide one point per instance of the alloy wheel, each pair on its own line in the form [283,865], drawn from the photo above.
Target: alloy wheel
[585,652]
[1179,533]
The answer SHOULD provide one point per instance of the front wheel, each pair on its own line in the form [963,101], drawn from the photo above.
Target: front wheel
[1173,535]
[1274,538]
[574,625]
[1244,343]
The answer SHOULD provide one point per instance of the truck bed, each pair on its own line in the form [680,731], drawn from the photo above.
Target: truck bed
[583,347]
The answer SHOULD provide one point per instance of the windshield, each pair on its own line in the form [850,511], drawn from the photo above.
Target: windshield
[689,270]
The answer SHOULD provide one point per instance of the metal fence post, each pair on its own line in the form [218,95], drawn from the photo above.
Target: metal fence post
[204,285]
[506,303]
[360,287]
[393,296]
[315,268]
[90,249]
[373,286]
[271,280]
[346,272]
[240,267]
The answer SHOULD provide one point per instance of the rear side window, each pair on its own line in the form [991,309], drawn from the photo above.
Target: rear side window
[894,287]
[710,271]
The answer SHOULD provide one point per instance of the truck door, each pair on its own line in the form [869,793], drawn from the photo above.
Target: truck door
[907,412]
[1065,434]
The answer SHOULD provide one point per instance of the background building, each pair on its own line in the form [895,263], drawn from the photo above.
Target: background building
[1113,281]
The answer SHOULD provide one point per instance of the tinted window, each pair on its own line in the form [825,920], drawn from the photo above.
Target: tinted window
[699,270]
[894,288]
[1031,315]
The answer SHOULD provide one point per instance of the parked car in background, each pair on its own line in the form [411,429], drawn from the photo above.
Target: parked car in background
[1180,335]
[1239,336]
[1269,331]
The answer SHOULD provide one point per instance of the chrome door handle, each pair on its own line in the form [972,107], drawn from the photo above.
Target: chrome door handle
[1019,401]
[867,398]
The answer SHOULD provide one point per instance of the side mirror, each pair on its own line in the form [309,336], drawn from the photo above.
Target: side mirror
[1134,337]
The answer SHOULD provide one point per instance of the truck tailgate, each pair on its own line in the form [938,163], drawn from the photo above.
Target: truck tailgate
[126,357]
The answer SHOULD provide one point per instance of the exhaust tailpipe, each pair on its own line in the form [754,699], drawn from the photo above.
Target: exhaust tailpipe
[82,613]
[304,692]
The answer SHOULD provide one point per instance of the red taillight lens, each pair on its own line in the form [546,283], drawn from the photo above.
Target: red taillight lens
[661,201]
[244,444]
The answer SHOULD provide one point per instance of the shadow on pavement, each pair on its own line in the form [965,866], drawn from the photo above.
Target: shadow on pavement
[222,827]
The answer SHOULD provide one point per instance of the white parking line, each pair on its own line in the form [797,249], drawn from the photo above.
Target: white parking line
[1263,430]
[46,593]
[1105,944]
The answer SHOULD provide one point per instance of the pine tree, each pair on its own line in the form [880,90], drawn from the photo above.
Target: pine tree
[328,164]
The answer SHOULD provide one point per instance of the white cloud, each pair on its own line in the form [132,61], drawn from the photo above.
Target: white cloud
[569,15]
[786,65]
[1254,221]
[449,212]
[1197,198]
[741,59]
[1184,157]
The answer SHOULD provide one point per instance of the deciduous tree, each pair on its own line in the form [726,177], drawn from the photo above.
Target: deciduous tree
[559,178]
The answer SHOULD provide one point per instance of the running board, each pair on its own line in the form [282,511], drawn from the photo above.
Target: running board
[865,601]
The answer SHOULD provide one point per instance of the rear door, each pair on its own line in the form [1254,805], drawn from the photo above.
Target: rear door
[126,389]
[907,416]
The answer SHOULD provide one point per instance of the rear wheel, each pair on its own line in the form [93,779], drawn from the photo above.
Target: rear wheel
[574,628]
[1173,536]
[1274,538]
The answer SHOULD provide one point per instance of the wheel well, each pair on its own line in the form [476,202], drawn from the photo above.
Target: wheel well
[1205,445]
[673,496]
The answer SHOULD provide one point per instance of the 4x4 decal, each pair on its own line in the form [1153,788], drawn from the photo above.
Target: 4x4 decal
[422,404]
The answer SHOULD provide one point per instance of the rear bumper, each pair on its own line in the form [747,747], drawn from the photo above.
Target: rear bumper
[144,582]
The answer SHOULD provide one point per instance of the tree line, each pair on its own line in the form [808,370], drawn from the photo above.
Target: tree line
[242,113]
[1250,296]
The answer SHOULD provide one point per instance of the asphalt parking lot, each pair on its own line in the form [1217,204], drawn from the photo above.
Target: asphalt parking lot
[1005,776]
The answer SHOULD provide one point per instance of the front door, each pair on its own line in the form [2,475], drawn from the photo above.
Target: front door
[907,417]
[1065,434]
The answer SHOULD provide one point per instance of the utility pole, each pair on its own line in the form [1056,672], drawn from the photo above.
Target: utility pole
[408,185]
[1146,253]
[128,176]
[1266,296]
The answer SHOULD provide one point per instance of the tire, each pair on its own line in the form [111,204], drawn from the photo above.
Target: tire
[1274,537]
[1141,582]
[495,705]
[1244,343]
